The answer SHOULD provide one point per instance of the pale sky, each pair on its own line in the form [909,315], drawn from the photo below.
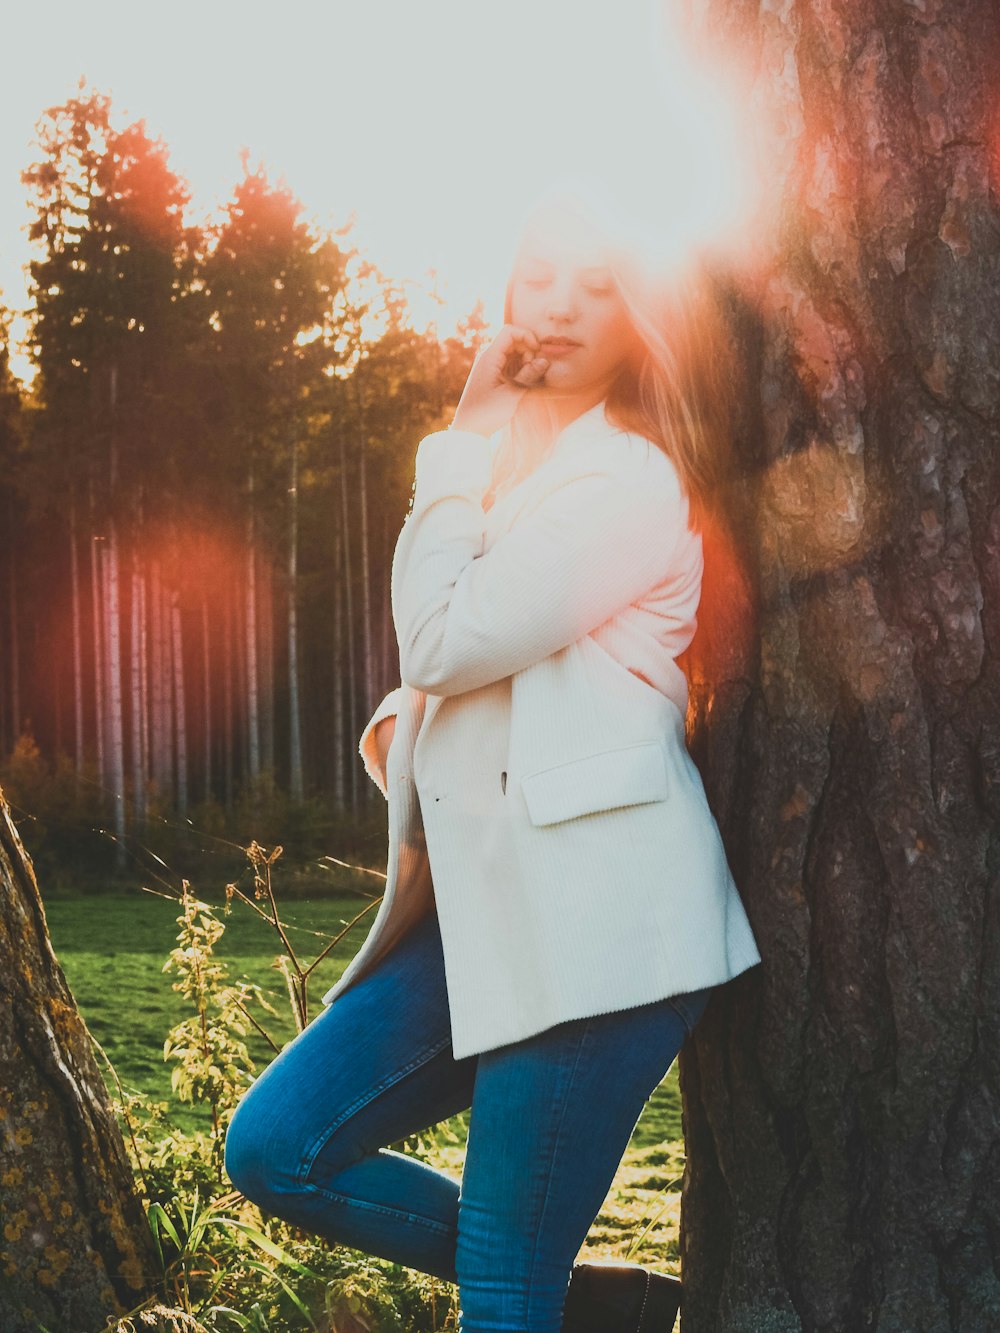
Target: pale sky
[436,121]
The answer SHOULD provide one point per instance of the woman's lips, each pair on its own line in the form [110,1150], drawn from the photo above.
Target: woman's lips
[550,349]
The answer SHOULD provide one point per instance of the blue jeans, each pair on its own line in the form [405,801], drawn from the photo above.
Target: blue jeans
[551,1118]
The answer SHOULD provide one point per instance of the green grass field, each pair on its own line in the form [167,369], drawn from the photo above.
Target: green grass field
[112,949]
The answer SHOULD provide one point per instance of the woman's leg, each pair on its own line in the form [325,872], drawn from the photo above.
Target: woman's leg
[306,1140]
[551,1119]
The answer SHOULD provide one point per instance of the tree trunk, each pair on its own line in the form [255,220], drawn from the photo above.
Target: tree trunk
[241,726]
[115,703]
[265,622]
[161,762]
[144,686]
[76,1244]
[296,784]
[6,743]
[112,583]
[97,619]
[229,614]
[842,1102]
[135,685]
[385,614]
[15,639]
[340,730]
[352,709]
[78,750]
[250,636]
[206,669]
[180,708]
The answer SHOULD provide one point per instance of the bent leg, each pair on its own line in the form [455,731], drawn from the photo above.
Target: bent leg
[306,1141]
[551,1119]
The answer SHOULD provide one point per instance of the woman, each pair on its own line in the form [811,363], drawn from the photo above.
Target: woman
[558,906]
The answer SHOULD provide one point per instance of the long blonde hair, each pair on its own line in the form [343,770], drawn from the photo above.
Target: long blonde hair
[675,389]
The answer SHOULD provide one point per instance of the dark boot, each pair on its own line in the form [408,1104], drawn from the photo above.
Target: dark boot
[614,1297]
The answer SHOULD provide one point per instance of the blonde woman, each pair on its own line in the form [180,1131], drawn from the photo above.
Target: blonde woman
[558,905]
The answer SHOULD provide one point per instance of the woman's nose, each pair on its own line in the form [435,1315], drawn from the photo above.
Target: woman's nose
[562,303]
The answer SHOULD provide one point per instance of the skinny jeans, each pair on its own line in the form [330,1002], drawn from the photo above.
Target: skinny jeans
[551,1117]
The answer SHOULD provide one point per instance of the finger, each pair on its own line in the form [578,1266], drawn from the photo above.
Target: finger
[531,372]
[515,336]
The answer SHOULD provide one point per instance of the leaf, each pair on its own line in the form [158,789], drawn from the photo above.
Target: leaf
[157,1215]
[267,1245]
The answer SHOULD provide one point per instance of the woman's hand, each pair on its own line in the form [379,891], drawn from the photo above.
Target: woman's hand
[384,732]
[502,372]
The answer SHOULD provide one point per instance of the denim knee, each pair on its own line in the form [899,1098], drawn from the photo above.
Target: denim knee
[250,1154]
[265,1156]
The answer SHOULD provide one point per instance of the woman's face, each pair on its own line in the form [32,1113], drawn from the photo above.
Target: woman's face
[563,290]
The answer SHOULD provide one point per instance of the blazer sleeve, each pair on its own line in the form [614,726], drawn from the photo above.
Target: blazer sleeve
[589,548]
[389,707]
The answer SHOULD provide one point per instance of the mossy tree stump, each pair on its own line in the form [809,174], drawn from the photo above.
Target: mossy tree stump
[74,1243]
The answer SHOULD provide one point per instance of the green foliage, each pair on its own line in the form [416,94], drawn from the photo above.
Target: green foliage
[57,814]
[63,820]
[113,949]
[213,1246]
[208,1049]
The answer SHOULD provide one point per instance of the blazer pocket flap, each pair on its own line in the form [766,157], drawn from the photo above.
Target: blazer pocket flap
[631,775]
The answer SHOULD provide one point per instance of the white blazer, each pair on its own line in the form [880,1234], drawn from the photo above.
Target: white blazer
[540,790]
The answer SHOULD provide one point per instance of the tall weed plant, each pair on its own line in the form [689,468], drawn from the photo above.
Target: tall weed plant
[223,1263]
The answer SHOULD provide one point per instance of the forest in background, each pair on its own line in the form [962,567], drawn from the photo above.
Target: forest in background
[200,492]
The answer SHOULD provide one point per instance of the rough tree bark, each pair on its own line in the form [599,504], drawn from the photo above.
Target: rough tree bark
[842,1102]
[75,1245]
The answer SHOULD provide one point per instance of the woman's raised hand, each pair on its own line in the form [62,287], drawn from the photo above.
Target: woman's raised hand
[505,368]
[385,731]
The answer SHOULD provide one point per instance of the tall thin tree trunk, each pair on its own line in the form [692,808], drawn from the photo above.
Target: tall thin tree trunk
[116,739]
[97,617]
[15,636]
[228,614]
[180,711]
[74,564]
[136,718]
[250,638]
[340,738]
[265,623]
[241,728]
[206,667]
[144,683]
[163,711]
[297,785]
[349,608]
[157,676]
[385,618]
[55,668]
[5,740]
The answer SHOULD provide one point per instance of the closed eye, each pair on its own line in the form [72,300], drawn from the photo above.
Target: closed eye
[595,289]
